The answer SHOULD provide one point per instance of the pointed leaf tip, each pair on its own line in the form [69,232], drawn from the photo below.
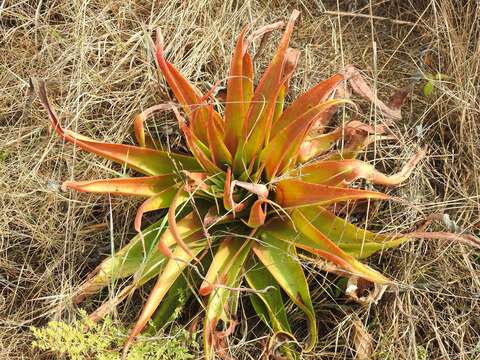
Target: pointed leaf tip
[146,161]
[260,114]
[297,193]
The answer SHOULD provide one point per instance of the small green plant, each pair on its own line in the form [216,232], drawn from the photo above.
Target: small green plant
[102,340]
[257,188]
[3,155]
[431,80]
[422,352]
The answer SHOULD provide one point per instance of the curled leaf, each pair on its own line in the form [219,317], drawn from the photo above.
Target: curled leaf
[360,87]
[146,161]
[258,213]
[344,172]
[139,127]
[364,291]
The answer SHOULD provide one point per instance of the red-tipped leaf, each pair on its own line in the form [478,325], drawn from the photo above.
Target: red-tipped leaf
[297,193]
[139,186]
[285,146]
[260,114]
[146,161]
[307,101]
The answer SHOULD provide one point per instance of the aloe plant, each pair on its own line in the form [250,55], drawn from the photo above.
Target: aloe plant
[256,188]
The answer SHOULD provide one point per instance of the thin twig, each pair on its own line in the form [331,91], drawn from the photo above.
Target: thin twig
[368,16]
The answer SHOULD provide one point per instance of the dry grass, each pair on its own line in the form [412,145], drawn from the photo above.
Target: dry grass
[94,55]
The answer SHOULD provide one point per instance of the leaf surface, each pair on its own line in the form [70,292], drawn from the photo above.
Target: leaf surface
[139,186]
[297,193]
[358,242]
[285,145]
[222,302]
[303,234]
[220,153]
[268,292]
[237,98]
[280,259]
[146,161]
[173,268]
[344,172]
[189,97]
[260,114]
[216,273]
[304,103]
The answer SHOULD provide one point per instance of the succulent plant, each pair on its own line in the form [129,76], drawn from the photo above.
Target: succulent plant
[256,190]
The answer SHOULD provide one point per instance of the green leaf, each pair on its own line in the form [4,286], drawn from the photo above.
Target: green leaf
[126,261]
[428,88]
[260,279]
[280,259]
[172,270]
[355,241]
[223,302]
[221,263]
[180,292]
[300,232]
[167,310]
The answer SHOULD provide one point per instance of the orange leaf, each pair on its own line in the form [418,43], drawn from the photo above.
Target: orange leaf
[260,114]
[356,135]
[286,144]
[236,105]
[140,186]
[344,172]
[196,146]
[306,102]
[220,154]
[257,213]
[247,77]
[187,95]
[291,61]
[317,145]
[296,193]
[146,161]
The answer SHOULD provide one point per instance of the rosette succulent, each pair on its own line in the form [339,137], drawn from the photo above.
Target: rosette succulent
[255,191]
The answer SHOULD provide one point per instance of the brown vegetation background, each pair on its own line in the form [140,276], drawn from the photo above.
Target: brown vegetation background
[100,73]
